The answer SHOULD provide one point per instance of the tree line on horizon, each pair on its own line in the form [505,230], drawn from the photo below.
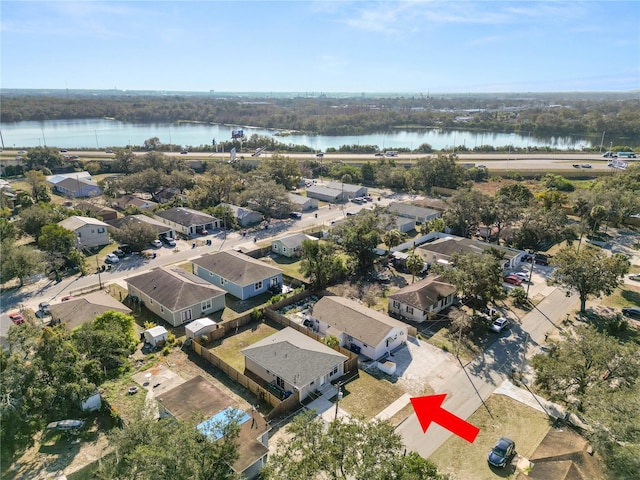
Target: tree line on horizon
[352,116]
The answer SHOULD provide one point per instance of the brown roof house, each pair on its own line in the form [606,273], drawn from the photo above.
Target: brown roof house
[360,329]
[200,397]
[77,311]
[442,248]
[102,212]
[175,295]
[240,275]
[419,301]
[127,201]
[290,361]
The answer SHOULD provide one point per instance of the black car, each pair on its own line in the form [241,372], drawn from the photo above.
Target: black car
[118,253]
[500,455]
[631,312]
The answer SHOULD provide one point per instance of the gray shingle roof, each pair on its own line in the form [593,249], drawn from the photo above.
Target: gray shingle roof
[174,287]
[294,357]
[139,218]
[295,240]
[347,187]
[353,318]
[236,267]
[412,210]
[186,216]
[81,310]
[447,246]
[424,293]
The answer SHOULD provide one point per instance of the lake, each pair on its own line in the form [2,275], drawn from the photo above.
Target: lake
[103,133]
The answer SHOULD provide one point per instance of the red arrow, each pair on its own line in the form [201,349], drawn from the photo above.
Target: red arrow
[429,409]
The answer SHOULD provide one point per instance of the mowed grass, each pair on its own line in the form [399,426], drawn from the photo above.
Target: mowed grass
[623,296]
[229,348]
[367,396]
[525,426]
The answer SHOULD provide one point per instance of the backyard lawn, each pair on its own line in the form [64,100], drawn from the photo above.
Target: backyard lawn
[525,426]
[229,347]
[367,396]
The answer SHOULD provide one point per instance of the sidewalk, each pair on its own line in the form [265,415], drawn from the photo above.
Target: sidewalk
[394,408]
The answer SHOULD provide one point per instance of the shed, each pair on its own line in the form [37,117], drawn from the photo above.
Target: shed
[199,327]
[155,335]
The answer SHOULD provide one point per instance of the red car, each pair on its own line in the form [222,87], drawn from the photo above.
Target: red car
[512,279]
[67,298]
[16,318]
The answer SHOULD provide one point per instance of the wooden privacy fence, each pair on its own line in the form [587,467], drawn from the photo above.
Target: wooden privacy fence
[279,406]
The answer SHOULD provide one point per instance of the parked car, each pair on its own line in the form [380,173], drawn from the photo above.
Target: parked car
[44,308]
[541,259]
[631,312]
[67,298]
[524,276]
[500,455]
[350,213]
[169,241]
[66,425]
[111,258]
[296,215]
[499,324]
[512,279]
[635,276]
[16,318]
[156,243]
[202,231]
[118,253]
[125,248]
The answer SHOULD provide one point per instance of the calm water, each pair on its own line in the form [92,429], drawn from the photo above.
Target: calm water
[100,133]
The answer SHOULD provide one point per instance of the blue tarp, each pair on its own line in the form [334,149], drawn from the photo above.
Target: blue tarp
[212,426]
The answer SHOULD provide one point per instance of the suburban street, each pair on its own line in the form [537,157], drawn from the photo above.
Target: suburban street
[471,385]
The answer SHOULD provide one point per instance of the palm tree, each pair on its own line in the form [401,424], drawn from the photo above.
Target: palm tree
[393,238]
[415,264]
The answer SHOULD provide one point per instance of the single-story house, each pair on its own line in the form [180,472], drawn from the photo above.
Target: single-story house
[57,178]
[167,194]
[302,203]
[418,214]
[360,329]
[292,361]
[291,245]
[199,396]
[156,336]
[350,190]
[175,295]
[101,212]
[442,248]
[162,229]
[77,188]
[419,301]
[199,327]
[89,231]
[240,275]
[187,221]
[127,201]
[325,194]
[402,224]
[77,311]
[245,216]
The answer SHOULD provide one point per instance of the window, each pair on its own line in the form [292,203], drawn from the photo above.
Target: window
[284,249]
[280,382]
[161,308]
[101,230]
[396,304]
[274,281]
[206,305]
[257,285]
[409,310]
[334,371]
[223,281]
[186,315]
[79,234]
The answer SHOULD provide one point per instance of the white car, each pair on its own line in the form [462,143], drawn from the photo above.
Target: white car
[156,243]
[499,324]
[586,165]
[524,276]
[111,258]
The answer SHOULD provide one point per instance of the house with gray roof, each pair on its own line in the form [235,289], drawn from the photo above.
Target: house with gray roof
[187,221]
[418,214]
[127,201]
[77,311]
[77,188]
[326,194]
[393,222]
[245,216]
[90,232]
[350,190]
[361,329]
[443,247]
[162,229]
[293,361]
[303,203]
[420,301]
[176,295]
[291,245]
[240,275]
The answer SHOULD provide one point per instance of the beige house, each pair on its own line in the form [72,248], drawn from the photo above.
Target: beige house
[419,301]
[176,295]
[90,232]
[291,245]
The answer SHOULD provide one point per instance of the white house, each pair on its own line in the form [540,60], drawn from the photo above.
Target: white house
[90,232]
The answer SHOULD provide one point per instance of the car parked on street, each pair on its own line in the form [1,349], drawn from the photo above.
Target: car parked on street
[501,454]
[156,243]
[499,324]
[16,318]
[635,276]
[512,279]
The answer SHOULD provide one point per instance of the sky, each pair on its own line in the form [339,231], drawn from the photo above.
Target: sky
[317,47]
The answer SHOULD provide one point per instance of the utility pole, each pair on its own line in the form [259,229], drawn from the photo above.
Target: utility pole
[339,397]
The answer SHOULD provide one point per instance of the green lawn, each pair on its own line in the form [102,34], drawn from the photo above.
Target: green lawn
[229,347]
[525,426]
[367,396]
